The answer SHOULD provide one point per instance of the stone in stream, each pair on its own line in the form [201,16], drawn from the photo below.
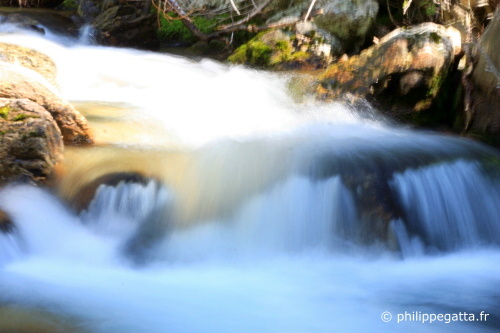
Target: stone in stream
[402,75]
[6,224]
[18,82]
[30,142]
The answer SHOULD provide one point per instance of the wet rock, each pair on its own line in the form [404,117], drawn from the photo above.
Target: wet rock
[18,82]
[485,122]
[39,20]
[119,23]
[29,58]
[30,141]
[85,195]
[402,75]
[6,224]
[23,22]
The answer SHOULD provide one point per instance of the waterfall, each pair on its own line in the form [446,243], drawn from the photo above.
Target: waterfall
[451,206]
[252,211]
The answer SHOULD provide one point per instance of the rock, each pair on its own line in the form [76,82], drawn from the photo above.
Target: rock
[58,22]
[349,21]
[6,224]
[402,75]
[121,23]
[23,319]
[17,82]
[29,58]
[126,26]
[282,49]
[30,141]
[87,192]
[486,82]
[31,3]
[23,22]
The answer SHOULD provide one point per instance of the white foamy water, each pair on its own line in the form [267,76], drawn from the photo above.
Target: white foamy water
[282,256]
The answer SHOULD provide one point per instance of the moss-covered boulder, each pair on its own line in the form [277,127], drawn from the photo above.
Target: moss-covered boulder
[30,141]
[402,75]
[485,117]
[18,82]
[283,49]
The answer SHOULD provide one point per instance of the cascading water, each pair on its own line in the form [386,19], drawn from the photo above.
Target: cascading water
[262,214]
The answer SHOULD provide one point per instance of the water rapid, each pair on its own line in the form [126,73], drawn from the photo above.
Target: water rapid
[261,210]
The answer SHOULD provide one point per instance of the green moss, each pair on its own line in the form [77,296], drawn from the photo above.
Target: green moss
[69,5]
[300,55]
[239,56]
[4,111]
[283,46]
[435,37]
[20,117]
[174,30]
[259,53]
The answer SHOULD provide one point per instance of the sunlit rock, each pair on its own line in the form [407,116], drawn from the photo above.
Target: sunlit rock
[29,58]
[17,82]
[30,141]
[402,75]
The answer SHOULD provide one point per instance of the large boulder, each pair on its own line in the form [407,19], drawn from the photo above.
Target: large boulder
[31,3]
[30,141]
[34,60]
[349,21]
[401,75]
[18,82]
[119,23]
[485,120]
[280,49]
[59,22]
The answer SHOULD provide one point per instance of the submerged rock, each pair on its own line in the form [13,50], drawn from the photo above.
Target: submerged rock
[30,141]
[87,193]
[485,120]
[402,75]
[18,82]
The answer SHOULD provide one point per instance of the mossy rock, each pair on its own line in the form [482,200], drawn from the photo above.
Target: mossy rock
[279,49]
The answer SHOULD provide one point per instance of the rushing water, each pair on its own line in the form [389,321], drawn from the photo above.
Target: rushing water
[264,212]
